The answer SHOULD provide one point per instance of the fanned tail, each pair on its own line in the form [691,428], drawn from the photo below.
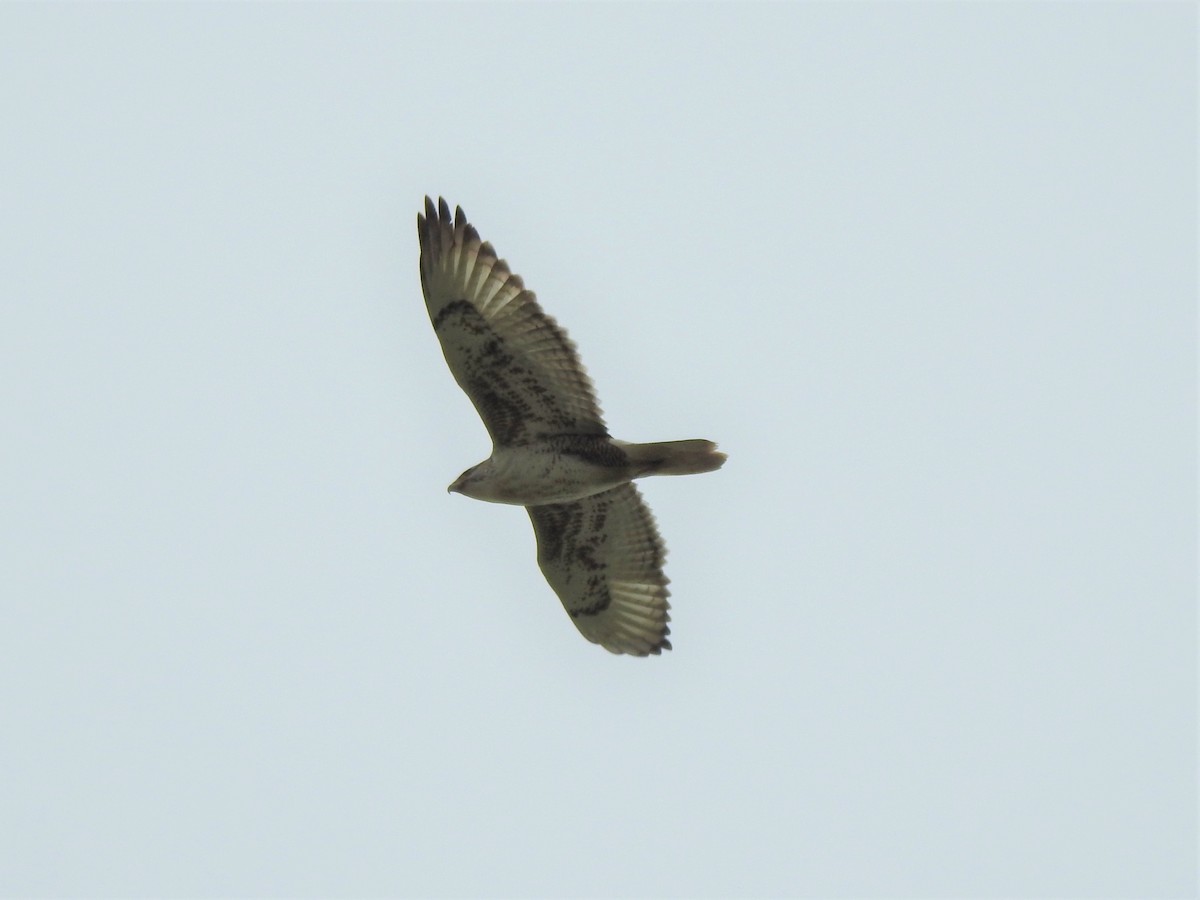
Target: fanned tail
[675,457]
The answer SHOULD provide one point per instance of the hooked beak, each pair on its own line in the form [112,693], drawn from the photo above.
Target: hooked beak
[456,487]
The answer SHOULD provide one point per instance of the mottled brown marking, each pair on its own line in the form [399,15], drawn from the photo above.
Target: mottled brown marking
[602,602]
[511,398]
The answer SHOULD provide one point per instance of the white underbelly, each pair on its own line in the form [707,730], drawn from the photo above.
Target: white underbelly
[528,477]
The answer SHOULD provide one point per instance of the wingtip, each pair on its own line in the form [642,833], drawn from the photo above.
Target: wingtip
[426,219]
[440,211]
[658,648]
[664,644]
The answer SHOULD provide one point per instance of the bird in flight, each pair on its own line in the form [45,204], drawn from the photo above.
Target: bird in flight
[597,543]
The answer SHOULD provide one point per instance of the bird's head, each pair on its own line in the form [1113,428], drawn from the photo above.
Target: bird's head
[469,480]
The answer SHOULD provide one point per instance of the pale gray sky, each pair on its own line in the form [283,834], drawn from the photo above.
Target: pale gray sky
[926,272]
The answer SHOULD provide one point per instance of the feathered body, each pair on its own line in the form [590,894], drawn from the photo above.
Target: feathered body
[551,452]
[573,466]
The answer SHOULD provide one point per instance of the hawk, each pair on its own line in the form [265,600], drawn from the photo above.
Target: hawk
[597,543]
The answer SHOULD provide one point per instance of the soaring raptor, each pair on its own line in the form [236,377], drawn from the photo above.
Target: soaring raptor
[551,452]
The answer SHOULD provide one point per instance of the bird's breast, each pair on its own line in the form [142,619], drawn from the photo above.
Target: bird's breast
[539,474]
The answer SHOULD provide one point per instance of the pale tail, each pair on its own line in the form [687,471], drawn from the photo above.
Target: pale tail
[675,457]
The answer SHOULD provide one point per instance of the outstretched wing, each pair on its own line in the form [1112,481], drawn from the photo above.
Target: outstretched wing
[604,558]
[515,363]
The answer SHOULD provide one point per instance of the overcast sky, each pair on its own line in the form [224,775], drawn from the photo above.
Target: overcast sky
[926,272]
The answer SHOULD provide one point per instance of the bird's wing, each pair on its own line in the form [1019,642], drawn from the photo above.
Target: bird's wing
[515,363]
[604,558]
